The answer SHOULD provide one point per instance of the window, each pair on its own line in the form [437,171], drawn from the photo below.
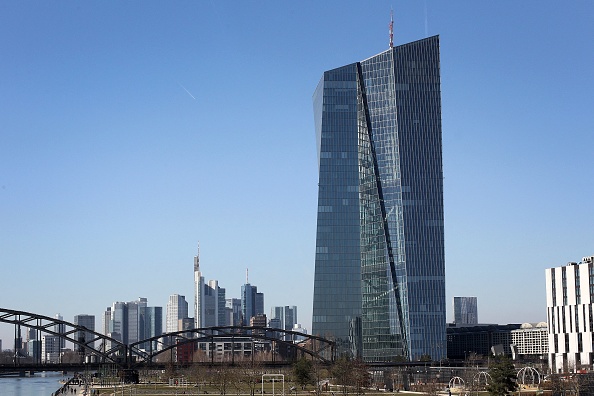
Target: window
[578,296]
[577,320]
[564,284]
[553,287]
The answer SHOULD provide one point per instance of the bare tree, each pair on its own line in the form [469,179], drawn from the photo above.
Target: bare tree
[6,357]
[555,384]
[431,389]
[361,378]
[195,373]
[200,356]
[351,373]
[236,381]
[398,378]
[71,357]
[580,384]
[341,371]
[169,372]
[320,372]
[250,374]
[163,357]
[221,377]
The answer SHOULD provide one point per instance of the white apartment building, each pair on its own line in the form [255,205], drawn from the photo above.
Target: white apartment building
[570,318]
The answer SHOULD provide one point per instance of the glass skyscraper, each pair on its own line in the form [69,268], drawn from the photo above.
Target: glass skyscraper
[379,288]
[252,303]
[465,310]
[87,321]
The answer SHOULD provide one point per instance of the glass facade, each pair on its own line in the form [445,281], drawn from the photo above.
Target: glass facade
[379,287]
[252,303]
[465,310]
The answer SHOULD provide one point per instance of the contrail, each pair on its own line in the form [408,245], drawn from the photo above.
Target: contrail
[187,91]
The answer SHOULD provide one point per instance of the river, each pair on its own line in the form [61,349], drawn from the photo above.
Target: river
[42,384]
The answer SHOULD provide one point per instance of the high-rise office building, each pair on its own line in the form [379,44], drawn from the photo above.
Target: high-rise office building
[252,302]
[198,291]
[31,334]
[87,321]
[118,322]
[33,349]
[177,308]
[18,340]
[106,321]
[135,320]
[465,311]
[233,311]
[153,325]
[50,348]
[213,304]
[287,317]
[131,322]
[209,300]
[379,287]
[60,328]
[221,303]
[275,323]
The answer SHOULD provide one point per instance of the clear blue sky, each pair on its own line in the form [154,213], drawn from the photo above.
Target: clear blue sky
[129,131]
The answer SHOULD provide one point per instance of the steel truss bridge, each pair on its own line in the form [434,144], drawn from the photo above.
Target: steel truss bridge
[135,355]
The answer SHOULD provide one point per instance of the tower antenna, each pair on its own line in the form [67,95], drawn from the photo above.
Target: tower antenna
[197,259]
[391,28]
[246,277]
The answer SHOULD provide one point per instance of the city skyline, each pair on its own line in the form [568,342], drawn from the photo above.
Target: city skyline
[117,320]
[112,171]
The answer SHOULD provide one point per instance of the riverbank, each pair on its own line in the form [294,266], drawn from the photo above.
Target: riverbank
[75,386]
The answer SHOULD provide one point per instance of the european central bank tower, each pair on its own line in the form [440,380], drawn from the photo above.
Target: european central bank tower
[379,288]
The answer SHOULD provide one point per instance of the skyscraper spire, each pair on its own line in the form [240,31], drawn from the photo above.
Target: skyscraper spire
[198,291]
[197,259]
[391,28]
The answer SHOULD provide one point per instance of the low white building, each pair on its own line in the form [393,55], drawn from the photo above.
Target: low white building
[531,340]
[224,348]
[570,319]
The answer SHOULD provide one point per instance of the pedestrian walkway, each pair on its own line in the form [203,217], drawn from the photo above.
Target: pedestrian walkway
[73,388]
